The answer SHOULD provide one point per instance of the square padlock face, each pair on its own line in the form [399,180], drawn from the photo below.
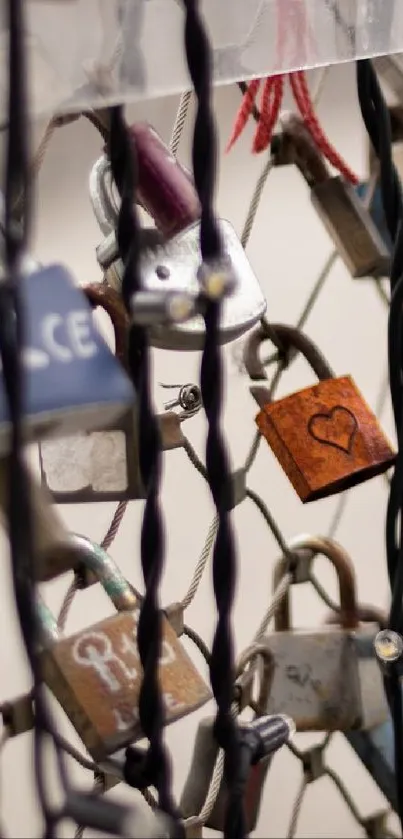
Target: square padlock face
[326,438]
[174,267]
[72,380]
[96,677]
[315,679]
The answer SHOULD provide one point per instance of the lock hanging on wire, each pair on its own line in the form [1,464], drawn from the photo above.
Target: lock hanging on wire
[345,217]
[327,678]
[325,437]
[96,673]
[172,264]
[104,465]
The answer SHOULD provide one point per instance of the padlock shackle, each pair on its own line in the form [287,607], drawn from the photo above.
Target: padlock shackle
[348,617]
[115,585]
[289,338]
[295,145]
[100,294]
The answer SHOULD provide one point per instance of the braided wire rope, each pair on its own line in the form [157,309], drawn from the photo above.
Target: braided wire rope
[188,598]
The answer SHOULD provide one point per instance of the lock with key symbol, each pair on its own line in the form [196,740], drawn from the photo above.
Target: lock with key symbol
[96,674]
[345,217]
[325,437]
[103,466]
[326,679]
[174,266]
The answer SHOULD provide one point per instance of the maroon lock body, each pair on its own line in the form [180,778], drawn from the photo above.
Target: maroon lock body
[165,188]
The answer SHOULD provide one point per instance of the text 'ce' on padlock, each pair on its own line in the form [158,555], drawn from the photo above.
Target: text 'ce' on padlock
[325,678]
[325,437]
[72,381]
[104,465]
[345,217]
[96,674]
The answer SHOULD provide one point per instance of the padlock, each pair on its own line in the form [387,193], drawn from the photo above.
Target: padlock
[327,678]
[72,379]
[325,437]
[103,466]
[376,210]
[96,673]
[206,749]
[278,729]
[173,267]
[347,221]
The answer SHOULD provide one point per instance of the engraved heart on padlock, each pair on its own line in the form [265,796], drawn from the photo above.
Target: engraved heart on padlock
[337,428]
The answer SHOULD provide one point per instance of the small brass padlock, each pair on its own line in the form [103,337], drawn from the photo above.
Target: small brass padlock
[96,673]
[328,678]
[346,219]
[104,465]
[325,437]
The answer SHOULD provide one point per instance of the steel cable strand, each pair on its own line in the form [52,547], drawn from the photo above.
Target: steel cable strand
[154,768]
[222,671]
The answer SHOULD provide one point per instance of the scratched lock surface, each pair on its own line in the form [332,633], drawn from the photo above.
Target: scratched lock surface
[96,677]
[327,680]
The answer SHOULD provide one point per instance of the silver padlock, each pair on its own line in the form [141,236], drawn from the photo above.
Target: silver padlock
[326,678]
[172,266]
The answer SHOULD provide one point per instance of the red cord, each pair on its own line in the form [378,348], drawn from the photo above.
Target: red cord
[303,99]
[244,112]
[270,108]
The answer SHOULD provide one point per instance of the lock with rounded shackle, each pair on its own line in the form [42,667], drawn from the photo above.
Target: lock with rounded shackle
[96,674]
[325,678]
[325,437]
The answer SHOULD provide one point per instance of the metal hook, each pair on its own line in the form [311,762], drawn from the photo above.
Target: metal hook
[189,399]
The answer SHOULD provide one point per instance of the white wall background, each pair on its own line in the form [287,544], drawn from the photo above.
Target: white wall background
[287,249]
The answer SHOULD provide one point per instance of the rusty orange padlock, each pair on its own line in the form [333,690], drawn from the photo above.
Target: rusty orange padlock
[325,437]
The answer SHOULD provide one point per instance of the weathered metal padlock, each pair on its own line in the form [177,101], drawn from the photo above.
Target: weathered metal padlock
[202,768]
[96,673]
[206,750]
[72,380]
[345,217]
[173,266]
[376,210]
[326,679]
[103,466]
[325,437]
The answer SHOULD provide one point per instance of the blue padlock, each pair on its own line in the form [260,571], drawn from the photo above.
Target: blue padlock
[72,380]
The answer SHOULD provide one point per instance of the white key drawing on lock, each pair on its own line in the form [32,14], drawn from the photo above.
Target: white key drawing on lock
[101,660]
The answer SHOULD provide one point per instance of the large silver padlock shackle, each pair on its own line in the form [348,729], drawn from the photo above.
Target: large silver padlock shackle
[348,616]
[286,339]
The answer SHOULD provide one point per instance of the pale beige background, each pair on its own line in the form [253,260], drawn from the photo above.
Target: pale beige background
[287,249]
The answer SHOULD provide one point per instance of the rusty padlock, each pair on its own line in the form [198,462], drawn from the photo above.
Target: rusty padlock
[96,673]
[325,437]
[326,678]
[205,755]
[345,217]
[104,465]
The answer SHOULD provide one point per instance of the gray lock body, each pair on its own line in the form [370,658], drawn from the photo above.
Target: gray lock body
[326,678]
[174,266]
